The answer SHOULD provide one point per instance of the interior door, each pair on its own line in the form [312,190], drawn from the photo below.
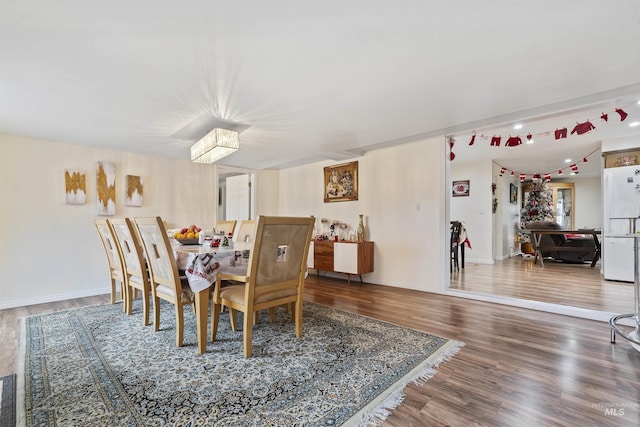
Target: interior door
[238,197]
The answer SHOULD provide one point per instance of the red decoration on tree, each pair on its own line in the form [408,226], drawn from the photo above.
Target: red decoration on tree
[623,114]
[522,177]
[604,117]
[574,168]
[585,160]
[560,172]
[495,141]
[529,136]
[473,139]
[513,173]
[451,155]
[502,170]
[547,177]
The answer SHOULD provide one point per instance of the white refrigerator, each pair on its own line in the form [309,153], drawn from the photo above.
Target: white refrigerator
[621,200]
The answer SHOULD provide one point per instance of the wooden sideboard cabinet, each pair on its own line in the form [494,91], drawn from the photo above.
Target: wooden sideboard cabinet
[341,257]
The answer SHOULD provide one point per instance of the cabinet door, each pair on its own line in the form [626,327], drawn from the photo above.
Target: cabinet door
[345,257]
[323,255]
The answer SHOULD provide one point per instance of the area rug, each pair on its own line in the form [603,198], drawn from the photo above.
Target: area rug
[8,401]
[96,366]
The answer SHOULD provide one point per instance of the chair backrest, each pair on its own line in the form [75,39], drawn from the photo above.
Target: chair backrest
[246,231]
[278,260]
[130,247]
[109,243]
[456,226]
[159,254]
[226,226]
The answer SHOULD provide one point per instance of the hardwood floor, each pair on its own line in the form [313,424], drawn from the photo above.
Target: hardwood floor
[518,368]
[576,285]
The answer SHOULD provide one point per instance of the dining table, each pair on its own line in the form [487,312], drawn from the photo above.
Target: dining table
[201,264]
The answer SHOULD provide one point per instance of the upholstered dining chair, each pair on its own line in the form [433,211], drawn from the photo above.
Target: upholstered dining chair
[246,231]
[135,266]
[114,259]
[226,226]
[163,272]
[275,275]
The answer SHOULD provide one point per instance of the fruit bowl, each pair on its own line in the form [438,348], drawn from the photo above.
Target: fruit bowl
[187,241]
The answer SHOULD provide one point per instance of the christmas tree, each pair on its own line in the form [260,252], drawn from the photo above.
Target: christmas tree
[539,205]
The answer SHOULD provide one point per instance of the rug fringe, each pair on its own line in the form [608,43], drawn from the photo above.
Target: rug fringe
[376,416]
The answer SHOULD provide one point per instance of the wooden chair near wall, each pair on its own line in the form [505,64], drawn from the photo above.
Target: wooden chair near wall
[275,275]
[226,226]
[165,281]
[135,267]
[114,259]
[455,246]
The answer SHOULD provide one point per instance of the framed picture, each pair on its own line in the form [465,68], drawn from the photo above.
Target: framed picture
[134,191]
[75,184]
[460,188]
[341,182]
[513,193]
[106,188]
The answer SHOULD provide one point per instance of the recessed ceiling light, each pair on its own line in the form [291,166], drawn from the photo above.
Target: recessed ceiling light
[530,141]
[634,124]
[572,173]
[567,160]
[517,126]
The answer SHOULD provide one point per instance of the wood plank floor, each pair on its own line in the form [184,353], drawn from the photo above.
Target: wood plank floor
[518,368]
[576,285]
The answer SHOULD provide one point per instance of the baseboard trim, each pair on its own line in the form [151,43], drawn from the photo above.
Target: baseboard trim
[51,298]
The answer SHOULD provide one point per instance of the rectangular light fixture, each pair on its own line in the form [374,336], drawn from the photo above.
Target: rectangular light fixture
[214,146]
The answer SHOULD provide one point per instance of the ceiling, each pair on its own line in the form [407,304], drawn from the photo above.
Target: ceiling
[310,81]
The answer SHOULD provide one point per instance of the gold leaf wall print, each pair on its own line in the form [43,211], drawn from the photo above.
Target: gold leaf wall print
[106,188]
[134,191]
[75,185]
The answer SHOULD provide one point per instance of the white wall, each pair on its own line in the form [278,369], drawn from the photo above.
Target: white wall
[588,210]
[50,250]
[475,210]
[402,194]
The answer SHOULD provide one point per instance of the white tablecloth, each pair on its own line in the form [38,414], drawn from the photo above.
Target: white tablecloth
[202,263]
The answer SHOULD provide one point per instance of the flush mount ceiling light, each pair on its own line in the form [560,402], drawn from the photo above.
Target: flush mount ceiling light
[214,146]
[517,126]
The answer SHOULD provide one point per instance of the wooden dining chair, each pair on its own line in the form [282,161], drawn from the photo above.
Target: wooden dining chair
[246,231]
[114,259]
[135,266]
[275,276]
[226,226]
[455,246]
[163,273]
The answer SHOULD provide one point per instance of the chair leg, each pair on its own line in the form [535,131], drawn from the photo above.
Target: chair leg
[156,314]
[247,334]
[272,314]
[124,296]
[145,308]
[232,318]
[113,290]
[215,318]
[179,325]
[298,314]
[128,302]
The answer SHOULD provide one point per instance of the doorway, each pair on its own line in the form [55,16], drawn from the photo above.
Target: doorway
[236,195]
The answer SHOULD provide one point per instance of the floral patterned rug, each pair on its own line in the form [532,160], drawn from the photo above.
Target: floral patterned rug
[96,366]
